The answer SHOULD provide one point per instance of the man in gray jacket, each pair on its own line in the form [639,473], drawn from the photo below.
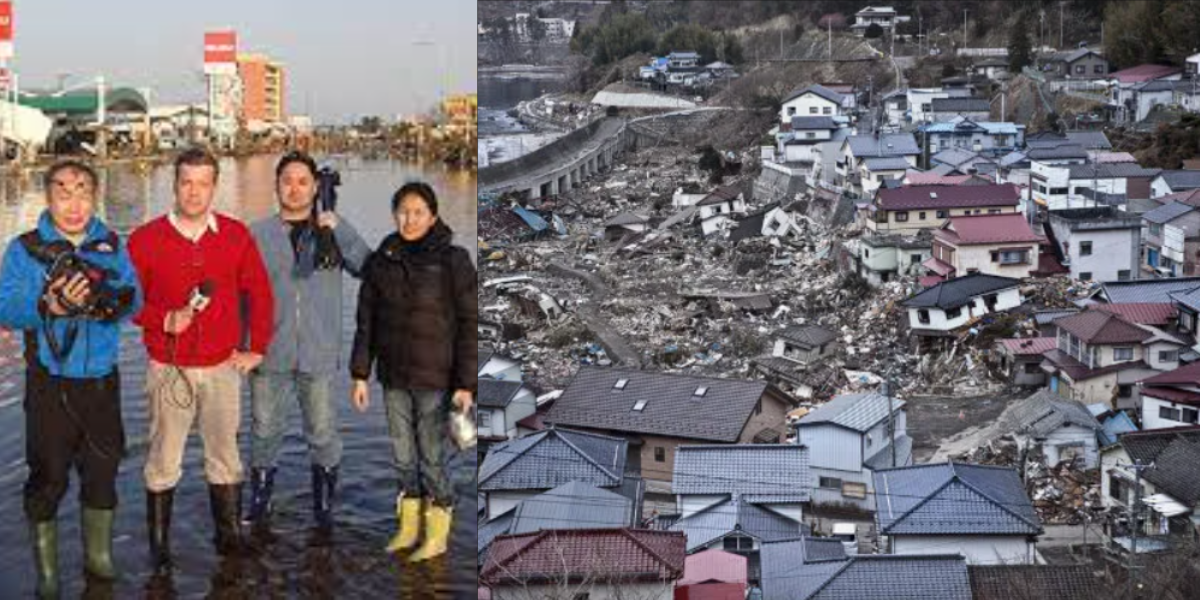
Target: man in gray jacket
[303,356]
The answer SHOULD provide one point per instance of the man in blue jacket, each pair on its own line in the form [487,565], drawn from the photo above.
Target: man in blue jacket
[68,285]
[303,355]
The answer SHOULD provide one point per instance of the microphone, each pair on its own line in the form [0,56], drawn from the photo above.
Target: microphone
[201,295]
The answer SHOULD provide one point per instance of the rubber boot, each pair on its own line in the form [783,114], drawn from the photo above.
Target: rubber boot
[262,485]
[158,526]
[44,537]
[324,488]
[408,516]
[437,533]
[97,543]
[226,503]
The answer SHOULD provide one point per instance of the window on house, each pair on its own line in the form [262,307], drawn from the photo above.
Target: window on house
[972,271]
[923,316]
[827,110]
[1168,413]
[926,107]
[1080,69]
[866,253]
[851,489]
[1124,391]
[810,135]
[621,383]
[580,596]
[812,110]
[915,259]
[901,216]
[660,454]
[639,405]
[1074,346]
[921,216]
[954,313]
[485,419]
[1085,248]
[1099,69]
[1190,415]
[1086,275]
[737,542]
[1155,229]
[1013,257]
[1167,356]
[791,110]
[993,211]
[1033,368]
[700,391]
[831,483]
[1120,354]
[1118,488]
[1123,275]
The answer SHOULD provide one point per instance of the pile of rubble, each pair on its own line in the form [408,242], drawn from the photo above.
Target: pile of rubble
[1061,494]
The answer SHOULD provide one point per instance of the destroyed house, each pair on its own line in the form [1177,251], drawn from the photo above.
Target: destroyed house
[770,221]
[1170,492]
[980,512]
[958,303]
[804,343]
[912,208]
[658,412]
[1100,356]
[848,438]
[1021,359]
[525,467]
[717,210]
[736,497]
[1063,428]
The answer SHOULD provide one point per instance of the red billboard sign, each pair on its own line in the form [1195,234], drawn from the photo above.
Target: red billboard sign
[220,50]
[6,22]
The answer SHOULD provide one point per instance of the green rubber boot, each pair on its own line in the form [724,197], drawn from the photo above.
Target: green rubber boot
[44,536]
[97,543]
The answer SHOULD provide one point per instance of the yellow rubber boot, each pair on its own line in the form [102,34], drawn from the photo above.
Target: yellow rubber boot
[437,533]
[408,515]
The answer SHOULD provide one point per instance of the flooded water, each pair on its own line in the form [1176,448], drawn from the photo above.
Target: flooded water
[354,565]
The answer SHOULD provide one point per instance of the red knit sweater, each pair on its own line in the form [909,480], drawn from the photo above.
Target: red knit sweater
[170,266]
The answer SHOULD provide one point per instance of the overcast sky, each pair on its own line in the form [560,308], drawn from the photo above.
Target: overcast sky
[344,58]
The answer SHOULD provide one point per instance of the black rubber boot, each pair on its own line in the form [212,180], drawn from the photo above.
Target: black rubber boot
[158,525]
[97,543]
[44,537]
[262,485]
[226,502]
[324,488]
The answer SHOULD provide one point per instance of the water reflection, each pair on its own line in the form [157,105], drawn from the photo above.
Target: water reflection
[353,566]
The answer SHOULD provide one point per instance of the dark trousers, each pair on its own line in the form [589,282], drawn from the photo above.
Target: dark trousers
[71,423]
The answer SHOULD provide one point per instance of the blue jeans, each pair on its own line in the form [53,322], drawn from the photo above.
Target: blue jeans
[270,397]
[417,425]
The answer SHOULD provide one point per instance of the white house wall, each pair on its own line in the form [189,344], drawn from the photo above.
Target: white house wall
[689,504]
[1005,300]
[1066,437]
[978,550]
[832,447]
[1150,418]
[501,502]
[803,108]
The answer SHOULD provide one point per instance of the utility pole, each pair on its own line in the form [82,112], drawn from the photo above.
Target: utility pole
[1137,467]
[1060,24]
[829,27]
[964,28]
[781,44]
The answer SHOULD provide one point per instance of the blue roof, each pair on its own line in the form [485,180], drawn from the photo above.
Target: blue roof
[1167,212]
[1114,426]
[953,498]
[736,514]
[935,577]
[793,569]
[772,469]
[531,219]
[991,128]
[857,412]
[552,457]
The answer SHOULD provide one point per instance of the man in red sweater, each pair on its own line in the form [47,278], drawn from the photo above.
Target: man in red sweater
[197,267]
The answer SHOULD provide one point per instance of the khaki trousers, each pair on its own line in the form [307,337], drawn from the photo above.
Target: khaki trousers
[179,397]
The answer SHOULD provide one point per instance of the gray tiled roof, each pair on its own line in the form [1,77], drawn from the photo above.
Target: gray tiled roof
[1091,140]
[954,156]
[488,530]
[1176,457]
[497,394]
[1188,298]
[1153,291]
[591,400]
[960,105]
[898,578]
[1013,158]
[1109,170]
[809,336]
[960,290]
[485,354]
[887,144]
[803,123]
[1181,180]
[574,505]
[1045,317]
[736,514]
[886,163]
[742,469]
[1056,152]
[1045,412]
[552,457]
[788,574]
[883,458]
[857,412]
[953,498]
[1167,212]
[1060,582]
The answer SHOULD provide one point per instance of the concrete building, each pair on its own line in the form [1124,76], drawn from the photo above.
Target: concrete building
[1096,244]
[263,89]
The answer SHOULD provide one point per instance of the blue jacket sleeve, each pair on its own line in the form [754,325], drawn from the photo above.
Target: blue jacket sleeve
[21,283]
[354,249]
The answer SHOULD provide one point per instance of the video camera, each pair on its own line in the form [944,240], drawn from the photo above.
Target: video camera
[328,255]
[103,301]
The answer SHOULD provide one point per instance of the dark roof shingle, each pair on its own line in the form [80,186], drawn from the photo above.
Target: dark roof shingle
[772,469]
[959,291]
[1060,582]
[552,457]
[953,498]
[942,196]
[624,554]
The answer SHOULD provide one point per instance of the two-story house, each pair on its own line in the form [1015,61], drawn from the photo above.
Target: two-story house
[736,497]
[501,404]
[812,101]
[1096,244]
[880,257]
[980,512]
[951,305]
[1083,63]
[1172,240]
[1174,182]
[850,437]
[912,208]
[659,412]
[858,148]
[999,244]
[1168,492]
[717,210]
[796,360]
[1059,186]
[885,17]
[1100,356]
[968,134]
